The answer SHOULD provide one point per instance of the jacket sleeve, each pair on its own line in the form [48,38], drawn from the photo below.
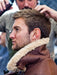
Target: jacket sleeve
[2,23]
[14,73]
[11,73]
[52,36]
[53,25]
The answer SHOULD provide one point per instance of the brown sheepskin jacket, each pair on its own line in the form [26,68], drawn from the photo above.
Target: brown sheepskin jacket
[34,59]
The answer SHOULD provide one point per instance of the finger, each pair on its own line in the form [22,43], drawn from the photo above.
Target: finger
[6,1]
[39,7]
[3,4]
[43,11]
[1,8]
[47,15]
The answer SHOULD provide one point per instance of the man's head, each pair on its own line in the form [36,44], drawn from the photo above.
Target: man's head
[2,38]
[26,3]
[29,25]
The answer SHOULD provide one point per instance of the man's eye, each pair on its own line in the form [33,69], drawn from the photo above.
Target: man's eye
[29,0]
[17,29]
[21,0]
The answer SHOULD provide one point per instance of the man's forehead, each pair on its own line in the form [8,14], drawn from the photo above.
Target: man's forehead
[19,23]
[19,20]
[16,26]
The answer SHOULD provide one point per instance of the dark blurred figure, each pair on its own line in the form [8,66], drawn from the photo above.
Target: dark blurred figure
[4,54]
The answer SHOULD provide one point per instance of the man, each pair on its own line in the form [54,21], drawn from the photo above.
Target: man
[20,3]
[6,21]
[29,36]
[4,54]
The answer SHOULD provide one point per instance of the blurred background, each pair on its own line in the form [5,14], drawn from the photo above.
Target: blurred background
[50,3]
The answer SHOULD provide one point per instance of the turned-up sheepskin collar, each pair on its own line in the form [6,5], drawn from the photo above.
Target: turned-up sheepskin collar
[22,52]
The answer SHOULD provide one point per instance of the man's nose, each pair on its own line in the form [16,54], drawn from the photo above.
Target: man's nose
[12,35]
[26,4]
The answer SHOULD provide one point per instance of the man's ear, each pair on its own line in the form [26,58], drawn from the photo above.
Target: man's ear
[35,34]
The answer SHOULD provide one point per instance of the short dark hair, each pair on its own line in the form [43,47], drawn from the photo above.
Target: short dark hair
[34,19]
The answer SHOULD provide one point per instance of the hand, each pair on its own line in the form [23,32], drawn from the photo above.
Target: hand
[50,13]
[3,4]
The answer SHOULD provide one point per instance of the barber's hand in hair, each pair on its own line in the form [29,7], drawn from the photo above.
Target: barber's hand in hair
[50,13]
[3,4]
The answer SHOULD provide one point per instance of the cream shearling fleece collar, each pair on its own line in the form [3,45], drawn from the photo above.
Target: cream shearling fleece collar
[22,52]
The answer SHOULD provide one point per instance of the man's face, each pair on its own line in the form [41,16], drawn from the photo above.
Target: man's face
[20,35]
[26,3]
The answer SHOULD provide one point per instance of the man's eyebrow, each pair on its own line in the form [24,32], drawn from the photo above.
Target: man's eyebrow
[16,27]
